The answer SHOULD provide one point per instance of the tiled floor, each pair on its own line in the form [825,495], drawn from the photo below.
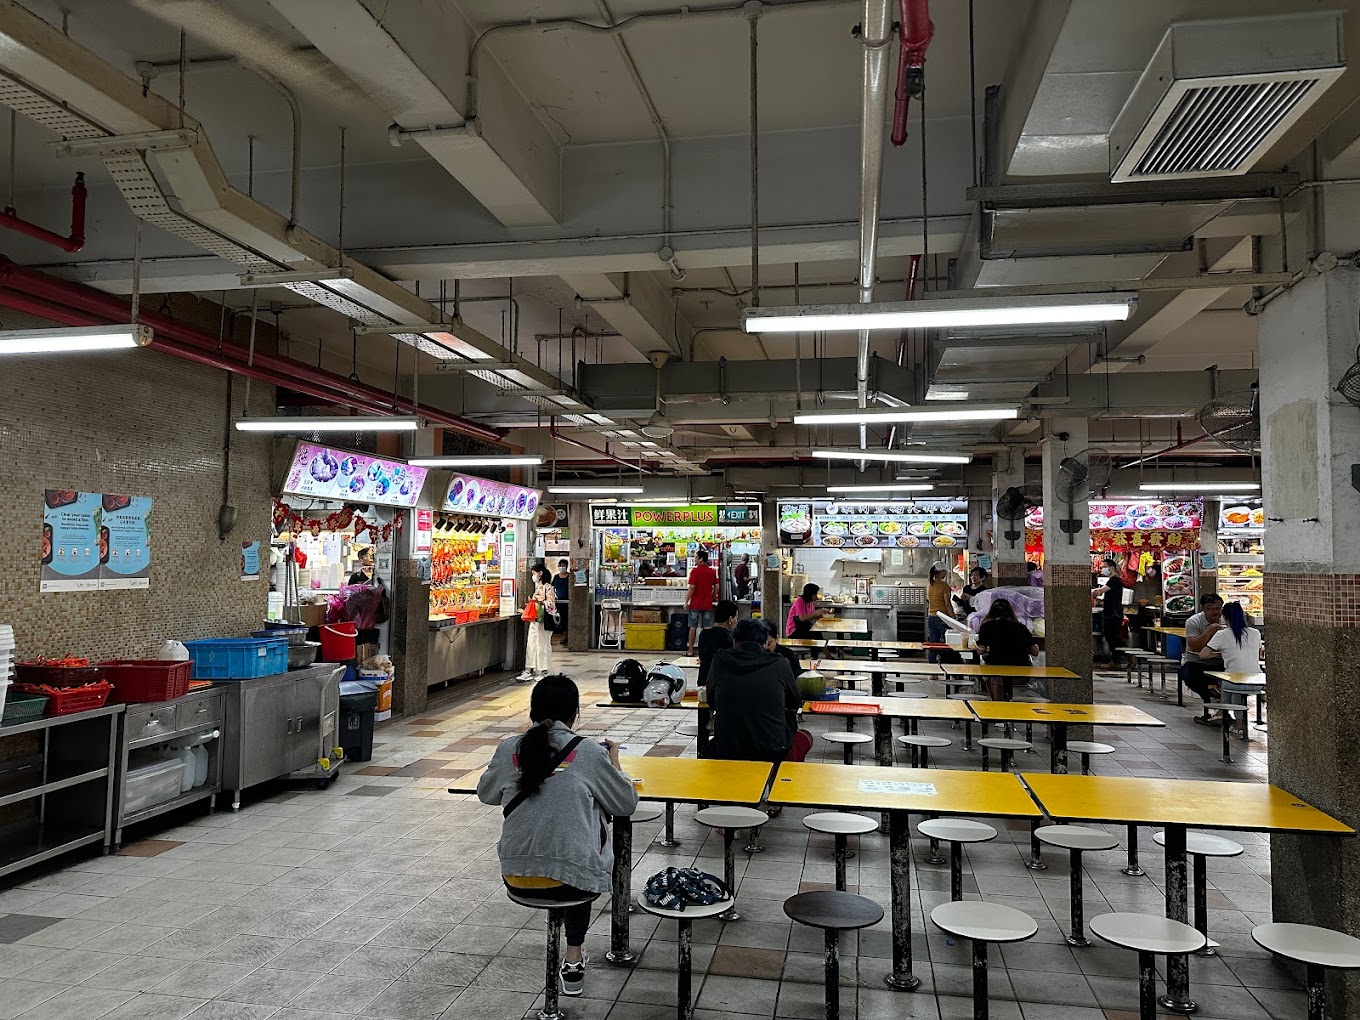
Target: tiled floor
[382,897]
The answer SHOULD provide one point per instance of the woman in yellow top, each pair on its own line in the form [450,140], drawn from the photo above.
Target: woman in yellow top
[938,600]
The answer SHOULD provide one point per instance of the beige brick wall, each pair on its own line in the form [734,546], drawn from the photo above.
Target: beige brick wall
[144,424]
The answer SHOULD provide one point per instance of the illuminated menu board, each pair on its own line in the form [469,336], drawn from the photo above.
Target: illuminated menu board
[324,473]
[470,495]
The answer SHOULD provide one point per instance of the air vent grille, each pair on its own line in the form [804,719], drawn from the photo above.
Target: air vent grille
[1213,130]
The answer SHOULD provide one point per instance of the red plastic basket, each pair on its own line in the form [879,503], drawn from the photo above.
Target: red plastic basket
[56,676]
[843,708]
[69,700]
[137,680]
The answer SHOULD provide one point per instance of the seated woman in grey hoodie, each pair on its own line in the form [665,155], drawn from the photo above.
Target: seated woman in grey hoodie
[557,846]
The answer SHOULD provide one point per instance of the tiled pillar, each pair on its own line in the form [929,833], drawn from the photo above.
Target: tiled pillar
[1008,563]
[580,622]
[1208,543]
[1067,570]
[1312,599]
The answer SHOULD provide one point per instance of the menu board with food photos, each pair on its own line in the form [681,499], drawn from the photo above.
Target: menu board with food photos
[940,524]
[1241,516]
[471,495]
[324,473]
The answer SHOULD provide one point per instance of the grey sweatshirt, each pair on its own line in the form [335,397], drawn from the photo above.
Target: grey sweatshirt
[561,832]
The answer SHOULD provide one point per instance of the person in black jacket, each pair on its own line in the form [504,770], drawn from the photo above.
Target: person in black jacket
[716,638]
[755,701]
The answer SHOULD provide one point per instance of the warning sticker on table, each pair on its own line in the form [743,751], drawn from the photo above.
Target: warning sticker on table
[888,786]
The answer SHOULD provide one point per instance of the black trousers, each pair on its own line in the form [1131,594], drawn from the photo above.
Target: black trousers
[1110,626]
[1193,675]
[575,919]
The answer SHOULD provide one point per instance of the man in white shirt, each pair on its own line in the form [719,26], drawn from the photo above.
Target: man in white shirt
[1199,629]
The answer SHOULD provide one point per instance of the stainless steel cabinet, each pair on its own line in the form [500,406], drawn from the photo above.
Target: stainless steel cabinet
[274,724]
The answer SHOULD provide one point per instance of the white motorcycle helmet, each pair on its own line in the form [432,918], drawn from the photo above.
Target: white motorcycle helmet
[665,684]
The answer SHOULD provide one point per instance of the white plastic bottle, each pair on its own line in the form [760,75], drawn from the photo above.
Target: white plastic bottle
[186,775]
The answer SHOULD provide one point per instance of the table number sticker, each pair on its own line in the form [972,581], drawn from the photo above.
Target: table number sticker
[888,786]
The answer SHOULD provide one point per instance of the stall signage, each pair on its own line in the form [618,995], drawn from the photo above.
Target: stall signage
[697,515]
[324,473]
[1241,517]
[833,524]
[94,541]
[470,495]
[1134,516]
[609,516]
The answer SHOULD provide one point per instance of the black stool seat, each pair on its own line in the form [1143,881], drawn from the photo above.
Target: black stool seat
[827,909]
[556,910]
[526,898]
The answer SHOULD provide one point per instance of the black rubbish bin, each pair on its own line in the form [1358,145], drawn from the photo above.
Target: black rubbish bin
[356,725]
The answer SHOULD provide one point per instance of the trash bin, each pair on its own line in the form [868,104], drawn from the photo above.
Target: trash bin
[356,725]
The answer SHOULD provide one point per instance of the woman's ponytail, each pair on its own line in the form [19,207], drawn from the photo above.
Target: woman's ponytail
[535,754]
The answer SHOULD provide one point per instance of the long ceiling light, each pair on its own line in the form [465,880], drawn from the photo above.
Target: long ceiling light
[504,460]
[970,309]
[356,423]
[1199,487]
[880,488]
[873,416]
[596,490]
[894,457]
[73,339]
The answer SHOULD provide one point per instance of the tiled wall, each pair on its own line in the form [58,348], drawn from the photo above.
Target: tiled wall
[144,424]
[1326,600]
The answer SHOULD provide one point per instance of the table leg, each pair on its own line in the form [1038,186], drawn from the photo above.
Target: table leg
[1057,748]
[883,741]
[622,893]
[668,833]
[955,871]
[876,684]
[730,875]
[1227,736]
[968,734]
[899,863]
[705,719]
[1133,868]
[1036,859]
[1260,722]
[1177,998]
[1201,870]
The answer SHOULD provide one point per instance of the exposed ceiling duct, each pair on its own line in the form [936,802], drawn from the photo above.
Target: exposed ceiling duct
[1217,94]
[166,169]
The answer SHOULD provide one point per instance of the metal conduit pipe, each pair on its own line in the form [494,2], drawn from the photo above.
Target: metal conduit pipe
[875,35]
[556,434]
[95,307]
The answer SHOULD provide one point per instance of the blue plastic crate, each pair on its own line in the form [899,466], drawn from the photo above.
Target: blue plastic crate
[238,658]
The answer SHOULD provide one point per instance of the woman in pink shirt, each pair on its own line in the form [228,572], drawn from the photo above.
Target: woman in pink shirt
[804,613]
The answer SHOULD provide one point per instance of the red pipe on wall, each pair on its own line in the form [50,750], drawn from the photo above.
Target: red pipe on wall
[10,218]
[77,305]
[916,32]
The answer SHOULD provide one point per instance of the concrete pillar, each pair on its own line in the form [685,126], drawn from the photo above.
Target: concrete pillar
[1311,439]
[1208,543]
[772,608]
[1067,569]
[409,639]
[580,622]
[1008,561]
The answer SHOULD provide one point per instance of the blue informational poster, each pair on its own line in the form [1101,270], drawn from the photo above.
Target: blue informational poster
[250,561]
[125,542]
[70,540]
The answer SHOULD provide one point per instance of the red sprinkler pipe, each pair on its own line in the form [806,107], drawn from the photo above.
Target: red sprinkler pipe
[916,32]
[77,305]
[9,218]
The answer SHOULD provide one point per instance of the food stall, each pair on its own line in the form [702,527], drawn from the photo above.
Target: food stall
[642,555]
[333,506]
[477,544]
[1241,553]
[873,558]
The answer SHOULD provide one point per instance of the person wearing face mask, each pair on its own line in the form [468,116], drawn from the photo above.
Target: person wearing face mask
[1111,594]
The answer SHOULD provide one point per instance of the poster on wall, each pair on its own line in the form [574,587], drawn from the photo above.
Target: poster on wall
[125,542]
[70,541]
[250,561]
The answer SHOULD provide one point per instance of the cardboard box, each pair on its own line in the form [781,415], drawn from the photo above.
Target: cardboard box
[384,697]
[314,616]
[645,616]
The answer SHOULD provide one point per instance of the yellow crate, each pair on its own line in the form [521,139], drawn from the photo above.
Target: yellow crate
[644,637]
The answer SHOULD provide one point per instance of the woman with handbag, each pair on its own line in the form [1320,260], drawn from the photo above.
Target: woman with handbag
[558,846]
[540,614]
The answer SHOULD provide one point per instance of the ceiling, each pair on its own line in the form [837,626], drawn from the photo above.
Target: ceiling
[551,215]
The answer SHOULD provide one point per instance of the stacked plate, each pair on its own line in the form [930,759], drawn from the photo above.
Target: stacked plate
[6,661]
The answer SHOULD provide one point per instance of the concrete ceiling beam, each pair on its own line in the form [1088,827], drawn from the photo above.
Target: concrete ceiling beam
[640,308]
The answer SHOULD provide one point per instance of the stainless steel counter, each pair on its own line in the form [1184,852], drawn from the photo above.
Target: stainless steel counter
[470,649]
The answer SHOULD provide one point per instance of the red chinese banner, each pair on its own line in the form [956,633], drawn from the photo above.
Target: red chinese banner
[1127,541]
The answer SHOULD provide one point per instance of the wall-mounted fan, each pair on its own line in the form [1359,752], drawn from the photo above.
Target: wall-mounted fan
[1079,476]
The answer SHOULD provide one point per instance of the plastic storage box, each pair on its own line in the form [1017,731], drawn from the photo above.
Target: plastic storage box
[152,784]
[237,658]
[138,680]
[644,637]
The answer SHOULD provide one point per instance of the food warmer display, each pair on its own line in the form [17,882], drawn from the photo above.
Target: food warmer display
[1241,553]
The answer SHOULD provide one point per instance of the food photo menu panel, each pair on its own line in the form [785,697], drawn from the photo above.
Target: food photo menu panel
[939,524]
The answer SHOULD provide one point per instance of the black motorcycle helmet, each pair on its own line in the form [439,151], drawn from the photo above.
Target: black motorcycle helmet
[627,680]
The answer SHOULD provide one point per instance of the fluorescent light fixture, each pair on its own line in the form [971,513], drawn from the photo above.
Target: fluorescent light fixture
[890,487]
[894,457]
[1199,487]
[73,339]
[509,459]
[887,416]
[596,490]
[947,395]
[358,423]
[970,309]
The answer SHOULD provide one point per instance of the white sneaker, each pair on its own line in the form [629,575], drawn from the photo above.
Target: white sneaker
[525,677]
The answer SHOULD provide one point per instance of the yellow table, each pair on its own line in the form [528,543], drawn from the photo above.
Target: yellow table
[1009,673]
[830,625]
[1179,804]
[878,671]
[802,642]
[1058,717]
[1255,681]
[900,792]
[911,710]
[874,647]
[1166,632]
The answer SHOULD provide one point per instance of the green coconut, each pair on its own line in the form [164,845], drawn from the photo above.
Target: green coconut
[811,684]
